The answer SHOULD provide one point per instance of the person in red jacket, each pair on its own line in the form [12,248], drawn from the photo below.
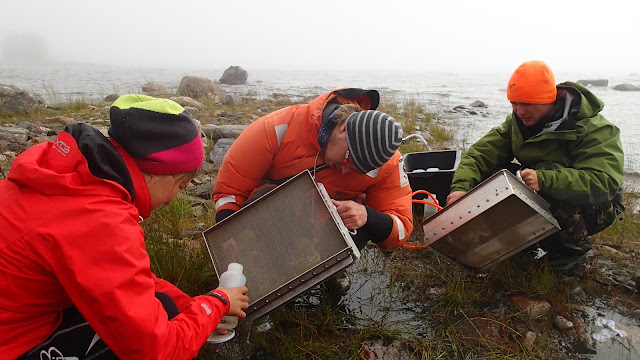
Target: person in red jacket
[348,147]
[74,270]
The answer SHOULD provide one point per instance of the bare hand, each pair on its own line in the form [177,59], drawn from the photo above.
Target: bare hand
[455,196]
[238,300]
[353,215]
[530,177]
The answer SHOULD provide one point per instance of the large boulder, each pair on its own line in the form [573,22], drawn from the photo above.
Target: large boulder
[198,87]
[595,82]
[15,100]
[626,87]
[234,75]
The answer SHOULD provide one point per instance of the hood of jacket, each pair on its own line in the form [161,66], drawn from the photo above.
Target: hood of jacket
[589,105]
[81,162]
[321,107]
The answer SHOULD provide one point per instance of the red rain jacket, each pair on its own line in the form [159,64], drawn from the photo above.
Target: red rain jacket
[70,238]
[285,142]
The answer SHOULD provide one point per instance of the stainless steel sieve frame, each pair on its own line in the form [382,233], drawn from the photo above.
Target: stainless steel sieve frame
[344,255]
[493,221]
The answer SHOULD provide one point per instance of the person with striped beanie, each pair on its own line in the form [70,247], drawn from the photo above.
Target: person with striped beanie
[74,266]
[346,144]
[349,147]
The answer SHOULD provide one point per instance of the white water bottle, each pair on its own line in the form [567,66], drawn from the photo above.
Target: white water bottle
[233,277]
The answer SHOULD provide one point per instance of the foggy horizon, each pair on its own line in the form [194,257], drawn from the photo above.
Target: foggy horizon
[465,36]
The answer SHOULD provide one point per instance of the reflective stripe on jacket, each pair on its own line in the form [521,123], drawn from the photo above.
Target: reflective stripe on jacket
[285,142]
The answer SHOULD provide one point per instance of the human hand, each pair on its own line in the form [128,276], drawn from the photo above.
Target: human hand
[455,196]
[530,178]
[238,300]
[353,215]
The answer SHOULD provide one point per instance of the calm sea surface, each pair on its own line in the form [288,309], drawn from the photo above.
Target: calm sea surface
[438,91]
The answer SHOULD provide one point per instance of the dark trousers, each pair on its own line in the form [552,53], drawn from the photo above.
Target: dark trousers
[75,338]
[577,224]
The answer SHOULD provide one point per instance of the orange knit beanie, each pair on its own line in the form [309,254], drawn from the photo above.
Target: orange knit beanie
[532,83]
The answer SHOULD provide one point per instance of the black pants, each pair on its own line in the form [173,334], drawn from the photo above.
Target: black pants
[75,338]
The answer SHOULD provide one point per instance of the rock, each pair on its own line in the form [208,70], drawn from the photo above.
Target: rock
[232,99]
[111,98]
[219,151]
[191,110]
[36,129]
[596,82]
[14,135]
[561,323]
[186,101]
[626,87]
[529,340]
[204,190]
[378,350]
[481,332]
[15,100]
[198,87]
[155,89]
[208,168]
[234,75]
[535,308]
[62,120]
[216,132]
[478,103]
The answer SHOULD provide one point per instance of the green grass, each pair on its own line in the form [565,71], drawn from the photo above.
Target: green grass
[182,261]
[448,296]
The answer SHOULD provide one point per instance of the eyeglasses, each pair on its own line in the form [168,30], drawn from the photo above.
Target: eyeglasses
[346,163]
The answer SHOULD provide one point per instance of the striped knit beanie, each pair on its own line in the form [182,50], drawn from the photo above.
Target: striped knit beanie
[372,137]
[159,134]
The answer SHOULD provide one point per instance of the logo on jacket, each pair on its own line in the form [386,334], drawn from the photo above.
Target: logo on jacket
[54,354]
[206,308]
[61,146]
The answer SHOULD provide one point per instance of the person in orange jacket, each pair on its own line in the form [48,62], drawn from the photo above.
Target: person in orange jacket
[348,147]
[74,271]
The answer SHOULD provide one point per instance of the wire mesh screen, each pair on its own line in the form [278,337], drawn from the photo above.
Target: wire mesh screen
[288,240]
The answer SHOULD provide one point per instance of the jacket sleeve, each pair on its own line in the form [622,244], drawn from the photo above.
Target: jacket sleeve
[392,196]
[104,269]
[596,172]
[181,299]
[492,150]
[245,164]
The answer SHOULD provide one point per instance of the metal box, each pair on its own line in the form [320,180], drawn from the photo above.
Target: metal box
[288,240]
[493,221]
[432,171]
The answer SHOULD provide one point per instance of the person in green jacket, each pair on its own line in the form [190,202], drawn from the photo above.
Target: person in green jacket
[567,152]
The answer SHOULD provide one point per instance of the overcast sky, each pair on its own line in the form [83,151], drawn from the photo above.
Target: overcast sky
[335,34]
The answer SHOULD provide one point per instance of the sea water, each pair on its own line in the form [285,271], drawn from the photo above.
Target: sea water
[436,91]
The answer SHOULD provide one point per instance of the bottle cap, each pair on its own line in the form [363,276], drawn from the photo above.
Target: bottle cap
[235,267]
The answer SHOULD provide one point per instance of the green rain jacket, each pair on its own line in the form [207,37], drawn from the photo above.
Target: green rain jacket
[578,157]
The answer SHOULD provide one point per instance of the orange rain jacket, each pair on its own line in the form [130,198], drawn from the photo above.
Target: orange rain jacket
[285,143]
[72,238]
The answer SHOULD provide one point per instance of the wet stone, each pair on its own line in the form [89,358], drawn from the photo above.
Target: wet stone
[378,350]
[561,323]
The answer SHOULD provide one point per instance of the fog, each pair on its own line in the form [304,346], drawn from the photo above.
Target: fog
[416,35]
